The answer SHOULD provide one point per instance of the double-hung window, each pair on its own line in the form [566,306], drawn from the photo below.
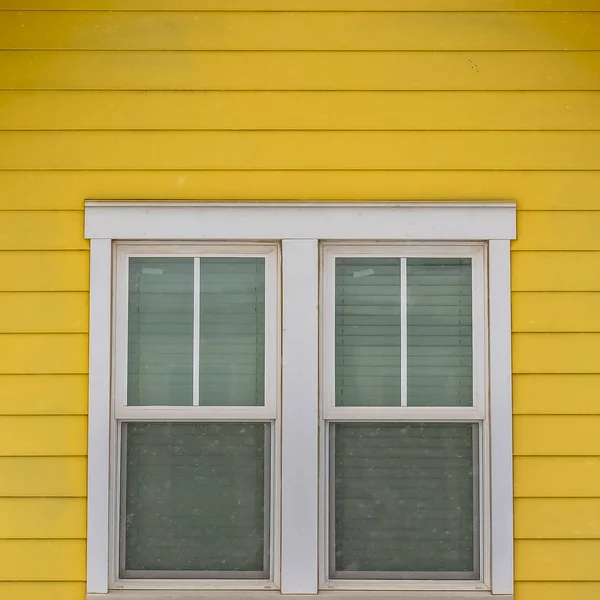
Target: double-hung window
[294,398]
[195,411]
[404,431]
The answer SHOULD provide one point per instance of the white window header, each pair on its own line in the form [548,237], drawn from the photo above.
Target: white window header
[292,220]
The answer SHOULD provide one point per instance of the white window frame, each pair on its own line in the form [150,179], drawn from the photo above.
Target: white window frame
[122,413]
[299,227]
[476,414]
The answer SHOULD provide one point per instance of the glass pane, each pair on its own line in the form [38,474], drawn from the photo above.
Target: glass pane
[160,331]
[195,502]
[367,332]
[439,330]
[232,331]
[404,501]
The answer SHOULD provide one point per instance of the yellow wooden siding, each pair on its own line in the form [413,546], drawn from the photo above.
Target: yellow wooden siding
[557,476]
[559,394]
[42,560]
[43,394]
[425,100]
[25,271]
[40,518]
[556,560]
[43,435]
[43,353]
[560,311]
[300,31]
[43,476]
[545,435]
[533,190]
[312,5]
[557,518]
[46,590]
[300,70]
[259,150]
[43,312]
[558,591]
[165,110]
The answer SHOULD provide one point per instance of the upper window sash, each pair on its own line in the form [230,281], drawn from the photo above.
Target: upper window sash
[476,252]
[123,254]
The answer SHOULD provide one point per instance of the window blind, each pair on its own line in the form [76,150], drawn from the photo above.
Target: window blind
[404,500]
[195,500]
[230,310]
[369,308]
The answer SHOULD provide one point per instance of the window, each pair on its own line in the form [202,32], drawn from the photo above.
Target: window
[328,409]
[404,407]
[195,407]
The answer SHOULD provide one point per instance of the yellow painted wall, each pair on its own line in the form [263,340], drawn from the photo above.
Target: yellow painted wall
[332,100]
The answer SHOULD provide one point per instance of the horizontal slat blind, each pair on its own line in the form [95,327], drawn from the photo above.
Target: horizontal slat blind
[439,332]
[161,313]
[195,499]
[232,331]
[367,331]
[404,500]
[231,344]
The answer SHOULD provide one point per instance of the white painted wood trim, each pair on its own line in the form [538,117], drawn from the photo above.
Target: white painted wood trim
[99,416]
[501,450]
[325,221]
[300,473]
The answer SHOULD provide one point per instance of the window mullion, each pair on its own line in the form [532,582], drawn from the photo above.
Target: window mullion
[196,336]
[403,336]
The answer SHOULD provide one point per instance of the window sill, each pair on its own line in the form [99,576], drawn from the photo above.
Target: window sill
[272,594]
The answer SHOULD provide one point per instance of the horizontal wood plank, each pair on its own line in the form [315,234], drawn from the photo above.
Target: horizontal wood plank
[43,435]
[556,394]
[43,394]
[214,70]
[43,353]
[556,435]
[556,352]
[22,271]
[46,518]
[556,560]
[555,476]
[160,110]
[54,560]
[48,590]
[556,311]
[27,230]
[221,30]
[43,476]
[557,518]
[304,150]
[558,590]
[43,312]
[555,271]
[303,5]
[548,230]
[66,190]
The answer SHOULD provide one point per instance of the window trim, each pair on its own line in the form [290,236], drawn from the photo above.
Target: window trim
[121,413]
[477,414]
[299,226]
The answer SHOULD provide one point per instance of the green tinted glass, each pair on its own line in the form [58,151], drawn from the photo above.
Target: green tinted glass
[404,501]
[195,501]
[230,358]
[367,332]
[439,332]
